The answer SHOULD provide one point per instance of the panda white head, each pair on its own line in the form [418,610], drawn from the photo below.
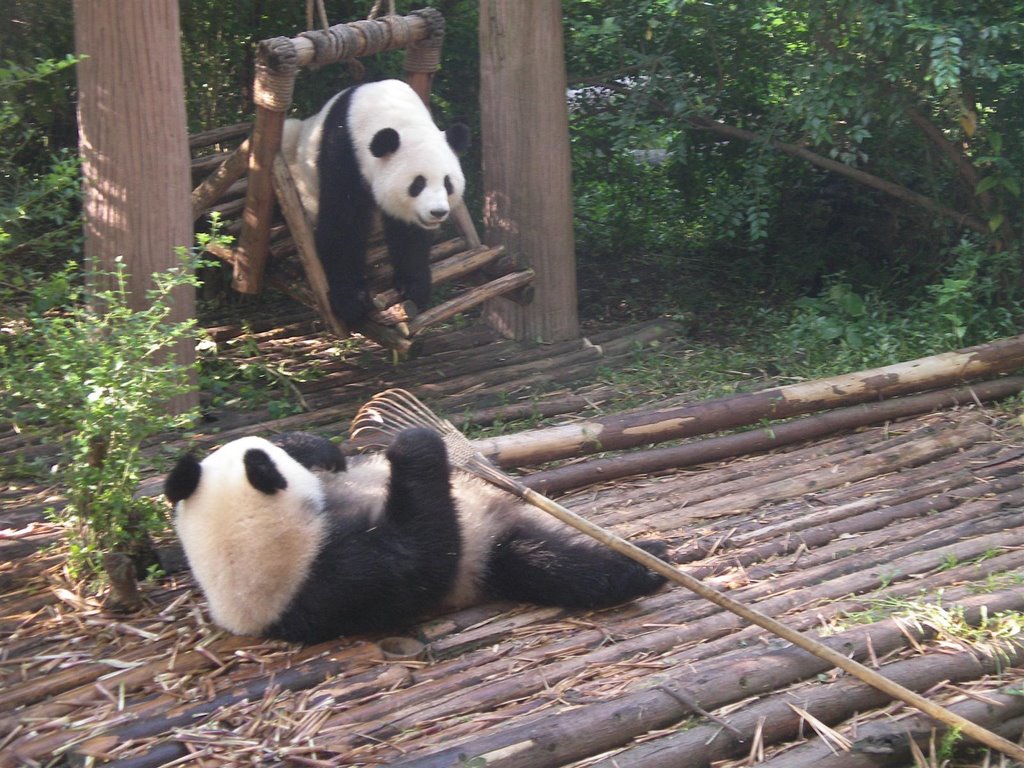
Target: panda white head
[410,164]
[249,518]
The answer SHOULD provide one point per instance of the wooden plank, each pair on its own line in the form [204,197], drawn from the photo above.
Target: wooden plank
[469,299]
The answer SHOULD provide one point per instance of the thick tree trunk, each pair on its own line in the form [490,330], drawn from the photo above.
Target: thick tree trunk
[134,146]
[527,176]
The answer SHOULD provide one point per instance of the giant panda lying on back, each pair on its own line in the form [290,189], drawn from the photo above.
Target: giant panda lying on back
[375,146]
[290,540]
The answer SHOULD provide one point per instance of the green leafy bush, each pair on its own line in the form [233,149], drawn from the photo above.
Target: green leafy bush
[39,187]
[94,377]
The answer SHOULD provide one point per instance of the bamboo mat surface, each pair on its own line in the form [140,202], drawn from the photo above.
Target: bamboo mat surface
[899,544]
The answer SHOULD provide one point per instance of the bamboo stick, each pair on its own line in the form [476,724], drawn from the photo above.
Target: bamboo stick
[618,432]
[718,448]
[217,135]
[447,270]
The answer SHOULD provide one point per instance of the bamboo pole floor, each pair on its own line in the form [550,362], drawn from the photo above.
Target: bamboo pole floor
[899,544]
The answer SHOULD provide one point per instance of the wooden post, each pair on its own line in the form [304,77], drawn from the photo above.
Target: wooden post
[134,146]
[276,66]
[526,164]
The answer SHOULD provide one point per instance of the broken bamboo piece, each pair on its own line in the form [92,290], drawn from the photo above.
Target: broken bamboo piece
[628,431]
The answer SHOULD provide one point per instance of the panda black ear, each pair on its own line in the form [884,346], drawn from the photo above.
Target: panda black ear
[384,142]
[183,479]
[263,474]
[458,137]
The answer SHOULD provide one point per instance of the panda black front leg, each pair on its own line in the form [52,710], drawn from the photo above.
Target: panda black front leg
[531,565]
[409,249]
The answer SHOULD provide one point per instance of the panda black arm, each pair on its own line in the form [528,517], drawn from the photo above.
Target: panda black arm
[409,249]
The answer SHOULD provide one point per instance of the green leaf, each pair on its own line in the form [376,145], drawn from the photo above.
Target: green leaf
[986,184]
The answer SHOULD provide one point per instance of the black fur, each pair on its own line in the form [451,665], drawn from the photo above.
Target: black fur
[262,473]
[409,247]
[383,577]
[458,136]
[574,573]
[183,479]
[345,214]
[384,142]
[311,451]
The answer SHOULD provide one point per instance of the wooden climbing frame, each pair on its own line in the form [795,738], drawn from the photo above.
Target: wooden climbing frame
[279,59]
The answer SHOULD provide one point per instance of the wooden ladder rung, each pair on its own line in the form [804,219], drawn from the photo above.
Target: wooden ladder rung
[470,298]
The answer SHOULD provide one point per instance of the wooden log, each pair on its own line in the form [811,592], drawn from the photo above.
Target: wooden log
[469,299]
[820,532]
[217,135]
[558,738]
[218,182]
[251,253]
[717,448]
[449,269]
[384,335]
[631,430]
[68,688]
[302,234]
[774,719]
[878,463]
[886,742]
[318,48]
[300,676]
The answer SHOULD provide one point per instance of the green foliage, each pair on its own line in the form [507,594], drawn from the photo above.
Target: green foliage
[843,330]
[245,378]
[94,378]
[39,191]
[928,96]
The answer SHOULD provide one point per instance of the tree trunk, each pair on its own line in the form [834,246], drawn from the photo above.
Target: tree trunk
[527,174]
[134,146]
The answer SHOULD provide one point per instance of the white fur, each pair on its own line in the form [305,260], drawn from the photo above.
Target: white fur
[423,151]
[249,555]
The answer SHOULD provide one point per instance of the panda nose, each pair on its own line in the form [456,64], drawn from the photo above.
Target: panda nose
[439,213]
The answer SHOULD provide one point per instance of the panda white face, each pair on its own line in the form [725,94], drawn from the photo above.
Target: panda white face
[249,519]
[410,164]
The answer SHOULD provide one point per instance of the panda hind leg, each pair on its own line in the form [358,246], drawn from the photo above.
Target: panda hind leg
[537,567]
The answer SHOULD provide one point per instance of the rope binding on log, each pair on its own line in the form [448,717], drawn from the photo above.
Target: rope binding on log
[276,65]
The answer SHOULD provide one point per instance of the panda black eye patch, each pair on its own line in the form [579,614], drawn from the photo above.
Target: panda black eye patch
[417,186]
[448,185]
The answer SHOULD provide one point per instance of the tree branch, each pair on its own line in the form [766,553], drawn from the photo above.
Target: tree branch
[870,180]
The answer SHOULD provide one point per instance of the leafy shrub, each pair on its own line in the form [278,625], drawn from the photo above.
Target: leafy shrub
[94,378]
[39,188]
[975,300]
